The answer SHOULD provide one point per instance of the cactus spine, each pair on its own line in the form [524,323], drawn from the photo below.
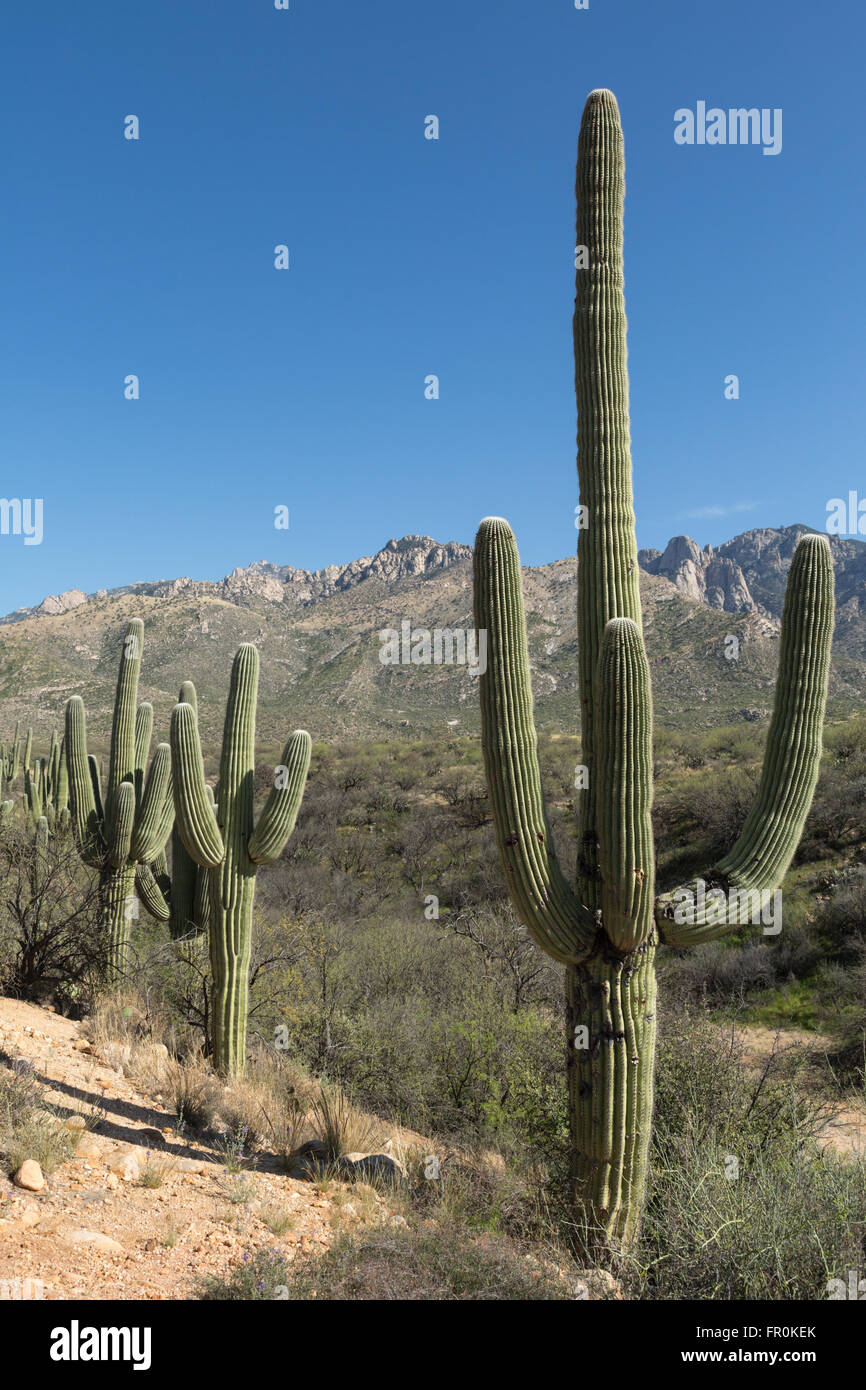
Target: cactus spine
[124,833]
[606,930]
[227,842]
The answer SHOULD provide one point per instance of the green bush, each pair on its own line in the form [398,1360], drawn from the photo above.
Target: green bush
[742,1203]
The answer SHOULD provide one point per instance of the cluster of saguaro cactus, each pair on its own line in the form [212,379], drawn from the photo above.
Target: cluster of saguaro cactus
[223,838]
[46,788]
[605,930]
[124,832]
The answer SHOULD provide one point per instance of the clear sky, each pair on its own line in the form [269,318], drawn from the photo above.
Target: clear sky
[305,388]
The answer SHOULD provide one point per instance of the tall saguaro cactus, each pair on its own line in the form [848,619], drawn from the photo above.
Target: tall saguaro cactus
[123,834]
[605,930]
[227,841]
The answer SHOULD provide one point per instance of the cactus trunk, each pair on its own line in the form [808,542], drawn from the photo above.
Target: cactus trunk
[231,933]
[610,1089]
[117,892]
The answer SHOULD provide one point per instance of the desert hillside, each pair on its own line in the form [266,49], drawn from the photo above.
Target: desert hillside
[319,636]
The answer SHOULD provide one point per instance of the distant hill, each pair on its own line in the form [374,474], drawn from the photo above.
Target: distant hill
[318,633]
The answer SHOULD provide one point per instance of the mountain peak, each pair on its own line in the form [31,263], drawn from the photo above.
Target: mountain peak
[706,576]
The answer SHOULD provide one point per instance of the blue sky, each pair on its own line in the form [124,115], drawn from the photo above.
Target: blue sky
[305,388]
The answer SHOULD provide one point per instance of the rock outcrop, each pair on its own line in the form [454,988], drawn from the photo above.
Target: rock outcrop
[708,576]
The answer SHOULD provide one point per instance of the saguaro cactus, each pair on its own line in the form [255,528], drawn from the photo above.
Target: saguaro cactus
[10,756]
[125,834]
[46,787]
[605,931]
[226,841]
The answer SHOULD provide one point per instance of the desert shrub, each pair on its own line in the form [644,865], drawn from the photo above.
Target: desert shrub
[194,1091]
[51,945]
[259,1277]
[847,1053]
[728,971]
[500,1190]
[841,918]
[698,820]
[341,1126]
[741,1202]
[780,1229]
[442,1263]
[29,1127]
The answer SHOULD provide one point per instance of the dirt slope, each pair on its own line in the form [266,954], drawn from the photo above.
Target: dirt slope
[94,1233]
[844,1130]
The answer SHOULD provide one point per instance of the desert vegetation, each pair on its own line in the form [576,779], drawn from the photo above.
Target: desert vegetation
[388,967]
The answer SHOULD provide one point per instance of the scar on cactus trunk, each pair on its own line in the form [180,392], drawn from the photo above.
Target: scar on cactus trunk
[605,929]
[226,841]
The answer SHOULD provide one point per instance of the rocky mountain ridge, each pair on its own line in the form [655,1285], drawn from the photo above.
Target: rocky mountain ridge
[320,638]
[744,575]
[410,557]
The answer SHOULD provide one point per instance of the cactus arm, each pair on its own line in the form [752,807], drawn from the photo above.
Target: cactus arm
[237,771]
[51,771]
[759,860]
[62,795]
[159,869]
[201,913]
[155,810]
[186,874]
[32,795]
[96,785]
[119,830]
[202,904]
[194,810]
[277,820]
[624,777]
[121,767]
[41,858]
[86,817]
[150,892]
[188,696]
[143,736]
[547,906]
